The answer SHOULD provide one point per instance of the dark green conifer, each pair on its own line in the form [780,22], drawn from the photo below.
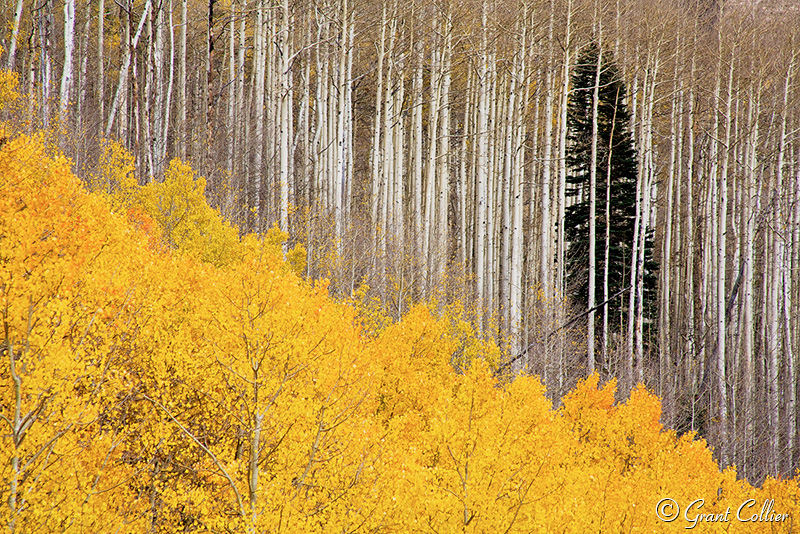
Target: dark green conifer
[614,136]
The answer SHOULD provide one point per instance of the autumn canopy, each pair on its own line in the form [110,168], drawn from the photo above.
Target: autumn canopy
[160,374]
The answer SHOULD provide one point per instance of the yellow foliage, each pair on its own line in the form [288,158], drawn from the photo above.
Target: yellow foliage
[9,83]
[210,388]
[116,175]
[189,224]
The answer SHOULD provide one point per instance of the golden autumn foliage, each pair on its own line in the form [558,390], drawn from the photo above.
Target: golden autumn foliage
[160,375]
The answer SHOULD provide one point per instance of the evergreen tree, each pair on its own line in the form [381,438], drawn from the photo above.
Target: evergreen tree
[614,137]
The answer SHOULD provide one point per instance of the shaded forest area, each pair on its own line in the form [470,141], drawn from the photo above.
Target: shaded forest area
[423,151]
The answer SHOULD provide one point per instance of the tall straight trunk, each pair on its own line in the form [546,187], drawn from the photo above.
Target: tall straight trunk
[349,126]
[490,295]
[463,187]
[558,385]
[443,174]
[777,262]
[126,23]
[182,131]
[607,240]
[259,59]
[416,147]
[398,151]
[481,169]
[167,106]
[390,115]
[786,265]
[773,344]
[648,167]
[159,93]
[689,233]
[232,139]
[546,256]
[84,55]
[12,46]
[792,296]
[431,165]
[517,196]
[529,298]
[750,208]
[69,52]
[285,121]
[147,99]
[721,386]
[505,200]
[634,274]
[243,118]
[122,86]
[593,209]
[101,80]
[664,327]
[376,128]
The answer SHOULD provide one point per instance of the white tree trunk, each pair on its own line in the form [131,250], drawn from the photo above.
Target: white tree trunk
[182,78]
[69,51]
[12,46]
[593,209]
[122,86]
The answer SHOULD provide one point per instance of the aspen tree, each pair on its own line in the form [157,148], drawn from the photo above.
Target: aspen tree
[376,163]
[546,258]
[593,203]
[443,174]
[84,66]
[750,210]
[416,169]
[69,50]
[517,107]
[101,81]
[785,263]
[147,100]
[431,167]
[231,84]
[257,103]
[722,371]
[664,345]
[285,120]
[122,87]
[183,74]
[482,163]
[558,383]
[12,47]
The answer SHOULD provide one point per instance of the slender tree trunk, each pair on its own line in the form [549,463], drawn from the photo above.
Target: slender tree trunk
[443,174]
[590,341]
[260,58]
[722,389]
[481,169]
[546,256]
[122,86]
[558,385]
[69,51]
[285,120]
[181,131]
[12,46]
[101,80]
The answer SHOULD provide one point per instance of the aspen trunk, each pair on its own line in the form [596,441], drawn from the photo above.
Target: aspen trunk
[12,46]
[593,210]
[182,78]
[69,50]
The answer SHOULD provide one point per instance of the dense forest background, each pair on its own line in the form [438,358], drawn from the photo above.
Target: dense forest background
[422,151]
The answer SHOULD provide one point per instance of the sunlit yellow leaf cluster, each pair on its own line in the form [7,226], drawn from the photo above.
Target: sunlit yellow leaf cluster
[161,375]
